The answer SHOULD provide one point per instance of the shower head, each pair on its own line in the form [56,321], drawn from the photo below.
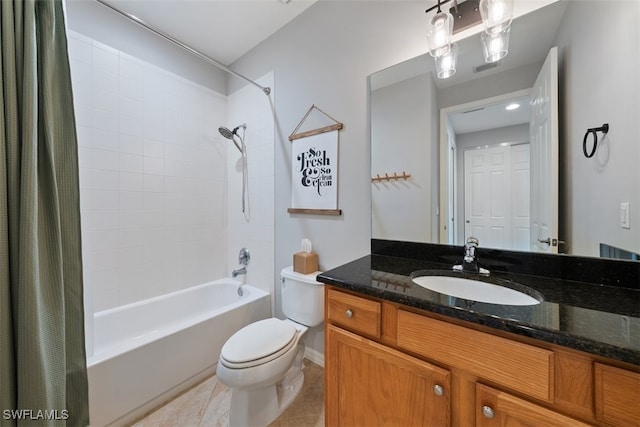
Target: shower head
[230,134]
[226,132]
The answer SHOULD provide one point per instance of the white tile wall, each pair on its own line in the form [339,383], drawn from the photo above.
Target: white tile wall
[153,176]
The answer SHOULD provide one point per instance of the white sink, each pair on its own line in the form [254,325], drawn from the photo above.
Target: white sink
[475,290]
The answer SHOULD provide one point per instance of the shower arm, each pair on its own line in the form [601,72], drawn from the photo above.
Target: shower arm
[266,90]
[236,144]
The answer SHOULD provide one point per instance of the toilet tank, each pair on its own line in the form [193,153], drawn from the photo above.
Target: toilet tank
[302,297]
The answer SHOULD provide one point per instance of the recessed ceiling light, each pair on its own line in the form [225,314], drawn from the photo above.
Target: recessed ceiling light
[512,106]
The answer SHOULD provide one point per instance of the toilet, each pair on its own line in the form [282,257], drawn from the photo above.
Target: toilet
[262,362]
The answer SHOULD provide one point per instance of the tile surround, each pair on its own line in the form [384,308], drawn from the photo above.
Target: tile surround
[152,176]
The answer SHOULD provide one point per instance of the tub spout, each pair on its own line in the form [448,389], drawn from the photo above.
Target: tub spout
[236,273]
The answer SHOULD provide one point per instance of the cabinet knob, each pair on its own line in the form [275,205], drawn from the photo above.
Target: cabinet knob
[488,412]
[438,390]
[349,314]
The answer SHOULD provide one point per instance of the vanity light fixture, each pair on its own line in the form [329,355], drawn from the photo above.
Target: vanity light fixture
[439,32]
[496,16]
[512,106]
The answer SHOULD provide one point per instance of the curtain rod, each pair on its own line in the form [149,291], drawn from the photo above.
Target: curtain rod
[266,90]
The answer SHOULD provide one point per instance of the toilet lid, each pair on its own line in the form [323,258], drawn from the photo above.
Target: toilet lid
[258,340]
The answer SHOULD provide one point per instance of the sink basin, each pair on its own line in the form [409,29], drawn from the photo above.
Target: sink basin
[476,290]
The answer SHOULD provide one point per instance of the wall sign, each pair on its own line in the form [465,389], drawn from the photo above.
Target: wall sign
[314,169]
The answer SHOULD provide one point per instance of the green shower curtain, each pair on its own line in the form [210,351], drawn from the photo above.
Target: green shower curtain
[43,378]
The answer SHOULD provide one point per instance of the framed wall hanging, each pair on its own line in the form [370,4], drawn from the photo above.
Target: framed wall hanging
[314,168]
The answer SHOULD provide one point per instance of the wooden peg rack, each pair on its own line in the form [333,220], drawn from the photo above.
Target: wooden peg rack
[388,177]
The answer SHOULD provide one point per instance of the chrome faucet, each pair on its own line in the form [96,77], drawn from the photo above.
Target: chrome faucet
[243,259]
[470,259]
[236,273]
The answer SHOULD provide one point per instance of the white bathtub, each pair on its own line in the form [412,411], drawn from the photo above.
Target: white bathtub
[149,351]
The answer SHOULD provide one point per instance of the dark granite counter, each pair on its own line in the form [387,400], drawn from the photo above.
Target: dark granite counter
[585,314]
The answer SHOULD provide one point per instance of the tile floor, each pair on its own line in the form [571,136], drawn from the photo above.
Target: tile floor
[207,405]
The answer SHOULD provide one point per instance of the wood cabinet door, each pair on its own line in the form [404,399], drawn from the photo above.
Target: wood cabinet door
[617,395]
[495,408]
[368,384]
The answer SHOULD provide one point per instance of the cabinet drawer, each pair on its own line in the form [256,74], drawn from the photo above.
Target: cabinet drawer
[354,313]
[617,395]
[520,367]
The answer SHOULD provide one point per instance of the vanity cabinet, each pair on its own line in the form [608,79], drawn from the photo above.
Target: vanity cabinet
[388,364]
[372,384]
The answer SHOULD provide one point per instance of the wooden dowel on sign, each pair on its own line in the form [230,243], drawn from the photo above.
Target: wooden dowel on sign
[335,212]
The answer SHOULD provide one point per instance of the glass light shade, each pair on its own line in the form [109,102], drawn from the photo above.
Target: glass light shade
[439,32]
[447,62]
[496,15]
[495,46]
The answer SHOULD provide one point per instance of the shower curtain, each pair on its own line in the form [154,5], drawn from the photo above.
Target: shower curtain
[43,378]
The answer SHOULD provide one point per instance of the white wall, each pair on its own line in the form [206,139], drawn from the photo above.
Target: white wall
[600,84]
[323,57]
[401,141]
[152,176]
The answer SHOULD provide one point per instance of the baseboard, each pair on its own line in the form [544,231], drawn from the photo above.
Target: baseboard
[314,356]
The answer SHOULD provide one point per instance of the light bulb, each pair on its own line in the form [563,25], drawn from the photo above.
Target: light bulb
[439,31]
[446,63]
[495,45]
[496,14]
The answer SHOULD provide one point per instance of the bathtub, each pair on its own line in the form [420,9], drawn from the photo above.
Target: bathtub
[147,352]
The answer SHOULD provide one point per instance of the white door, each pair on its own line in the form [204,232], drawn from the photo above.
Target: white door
[520,197]
[497,196]
[486,196]
[544,157]
[451,188]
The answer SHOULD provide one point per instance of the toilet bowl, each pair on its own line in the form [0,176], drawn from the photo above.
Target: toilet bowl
[262,362]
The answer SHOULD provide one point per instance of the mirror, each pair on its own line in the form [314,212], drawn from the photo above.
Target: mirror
[414,168]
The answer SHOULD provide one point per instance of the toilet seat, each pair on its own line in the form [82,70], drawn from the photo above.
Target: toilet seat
[258,343]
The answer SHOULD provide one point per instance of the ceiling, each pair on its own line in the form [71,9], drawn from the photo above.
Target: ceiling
[491,116]
[224,30]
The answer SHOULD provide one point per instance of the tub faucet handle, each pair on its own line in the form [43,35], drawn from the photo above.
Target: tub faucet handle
[244,256]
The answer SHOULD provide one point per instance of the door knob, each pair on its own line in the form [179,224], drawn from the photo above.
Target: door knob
[547,241]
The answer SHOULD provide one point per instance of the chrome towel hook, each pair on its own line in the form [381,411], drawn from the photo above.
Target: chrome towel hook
[604,129]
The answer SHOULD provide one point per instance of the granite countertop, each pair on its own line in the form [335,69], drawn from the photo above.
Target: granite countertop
[599,319]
